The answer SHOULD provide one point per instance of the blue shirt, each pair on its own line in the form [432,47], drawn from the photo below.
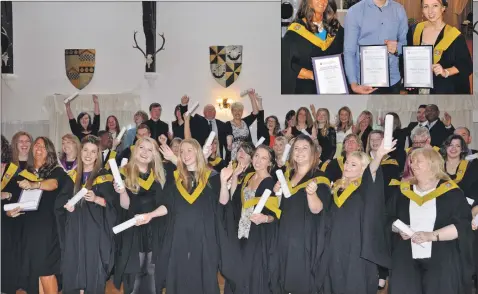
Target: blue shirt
[367,24]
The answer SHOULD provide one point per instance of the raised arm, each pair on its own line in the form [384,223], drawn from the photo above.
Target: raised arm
[187,127]
[381,152]
[68,111]
[97,105]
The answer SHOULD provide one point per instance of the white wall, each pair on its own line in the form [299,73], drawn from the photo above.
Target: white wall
[42,30]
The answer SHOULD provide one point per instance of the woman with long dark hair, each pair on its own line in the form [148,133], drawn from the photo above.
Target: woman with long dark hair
[83,125]
[39,241]
[268,128]
[85,229]
[315,32]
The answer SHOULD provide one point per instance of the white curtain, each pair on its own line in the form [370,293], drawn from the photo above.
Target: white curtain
[459,107]
[123,106]
[35,128]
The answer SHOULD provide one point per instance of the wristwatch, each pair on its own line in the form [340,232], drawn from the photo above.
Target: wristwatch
[435,234]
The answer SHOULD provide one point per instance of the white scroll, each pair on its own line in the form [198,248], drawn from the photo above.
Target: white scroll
[262,202]
[121,133]
[260,141]
[22,205]
[191,111]
[70,98]
[116,173]
[245,92]
[475,220]
[75,199]
[124,162]
[285,155]
[126,225]
[210,139]
[304,131]
[404,229]
[283,183]
[388,133]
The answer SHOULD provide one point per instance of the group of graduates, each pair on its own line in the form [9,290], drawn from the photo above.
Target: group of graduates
[330,230]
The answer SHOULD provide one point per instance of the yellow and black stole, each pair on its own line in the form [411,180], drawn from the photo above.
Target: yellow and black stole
[99,179]
[111,155]
[190,198]
[272,202]
[293,190]
[352,187]
[215,161]
[145,184]
[340,161]
[449,36]
[407,190]
[9,174]
[311,37]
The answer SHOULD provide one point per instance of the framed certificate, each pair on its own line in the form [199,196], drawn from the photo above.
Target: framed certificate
[417,66]
[374,70]
[329,75]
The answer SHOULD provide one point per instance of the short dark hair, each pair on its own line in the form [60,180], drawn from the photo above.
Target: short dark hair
[143,126]
[447,143]
[422,106]
[102,132]
[154,105]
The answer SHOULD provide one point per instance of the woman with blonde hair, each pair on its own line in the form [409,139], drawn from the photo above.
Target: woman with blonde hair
[364,127]
[356,221]
[214,160]
[21,144]
[85,229]
[344,125]
[437,258]
[334,168]
[195,244]
[326,135]
[70,146]
[144,195]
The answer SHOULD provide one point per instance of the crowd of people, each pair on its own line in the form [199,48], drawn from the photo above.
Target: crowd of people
[335,232]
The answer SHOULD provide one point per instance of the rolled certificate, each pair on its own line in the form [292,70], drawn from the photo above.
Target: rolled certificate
[475,219]
[262,201]
[126,225]
[75,199]
[261,140]
[124,162]
[283,183]
[115,172]
[210,139]
[279,193]
[191,111]
[304,131]
[388,134]
[245,92]
[285,155]
[23,205]
[404,229]
[68,99]
[121,133]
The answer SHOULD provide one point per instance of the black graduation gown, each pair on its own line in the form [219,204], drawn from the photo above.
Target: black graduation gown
[217,164]
[196,245]
[256,250]
[126,153]
[450,268]
[138,238]
[301,238]
[334,168]
[297,53]
[11,234]
[110,155]
[458,55]
[391,171]
[466,177]
[86,236]
[39,241]
[356,238]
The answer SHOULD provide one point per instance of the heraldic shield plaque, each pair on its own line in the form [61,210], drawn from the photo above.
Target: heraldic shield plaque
[226,63]
[80,66]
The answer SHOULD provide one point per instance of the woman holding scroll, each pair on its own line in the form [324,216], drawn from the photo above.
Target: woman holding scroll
[438,258]
[301,232]
[85,229]
[356,242]
[39,243]
[452,63]
[254,232]
[83,125]
[142,194]
[195,243]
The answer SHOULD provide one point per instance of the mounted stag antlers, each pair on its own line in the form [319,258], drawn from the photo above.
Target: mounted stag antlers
[149,57]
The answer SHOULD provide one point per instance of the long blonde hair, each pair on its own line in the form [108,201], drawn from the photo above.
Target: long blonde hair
[201,166]
[434,159]
[327,124]
[350,122]
[156,165]
[15,152]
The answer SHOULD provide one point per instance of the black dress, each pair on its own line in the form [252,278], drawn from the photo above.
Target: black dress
[256,249]
[86,236]
[333,169]
[450,268]
[77,129]
[456,54]
[328,142]
[11,234]
[195,246]
[39,241]
[356,239]
[137,242]
[300,239]
[297,52]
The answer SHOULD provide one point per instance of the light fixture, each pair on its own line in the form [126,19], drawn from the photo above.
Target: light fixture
[224,103]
